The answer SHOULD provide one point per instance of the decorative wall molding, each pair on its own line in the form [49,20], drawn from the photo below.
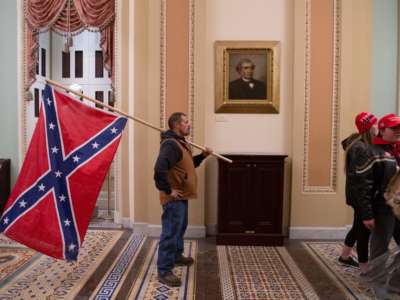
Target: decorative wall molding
[24,125]
[131,110]
[307,188]
[191,66]
[117,75]
[163,64]
[20,78]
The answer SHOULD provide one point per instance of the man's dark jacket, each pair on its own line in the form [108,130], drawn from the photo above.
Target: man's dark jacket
[170,154]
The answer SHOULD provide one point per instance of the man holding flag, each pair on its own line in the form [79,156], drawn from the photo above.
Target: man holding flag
[175,178]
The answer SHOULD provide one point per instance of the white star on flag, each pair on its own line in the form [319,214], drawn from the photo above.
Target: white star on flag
[48,102]
[67,222]
[62,198]
[58,173]
[95,145]
[71,247]
[54,150]
[76,158]
[41,187]
[113,130]
[22,203]
[51,126]
[6,220]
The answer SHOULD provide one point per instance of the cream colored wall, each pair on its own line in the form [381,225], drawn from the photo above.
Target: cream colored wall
[139,89]
[140,81]
[329,209]
[281,20]
[243,133]
[145,206]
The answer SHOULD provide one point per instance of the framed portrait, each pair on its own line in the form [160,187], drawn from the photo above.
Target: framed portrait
[247,77]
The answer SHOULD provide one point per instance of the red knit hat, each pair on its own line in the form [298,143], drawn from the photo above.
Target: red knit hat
[388,121]
[364,121]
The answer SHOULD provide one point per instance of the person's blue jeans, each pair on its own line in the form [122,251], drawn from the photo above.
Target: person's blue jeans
[174,222]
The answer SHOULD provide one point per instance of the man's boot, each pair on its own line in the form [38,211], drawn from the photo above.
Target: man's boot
[170,279]
[184,261]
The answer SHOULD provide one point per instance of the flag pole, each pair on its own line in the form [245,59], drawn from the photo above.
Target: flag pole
[56,84]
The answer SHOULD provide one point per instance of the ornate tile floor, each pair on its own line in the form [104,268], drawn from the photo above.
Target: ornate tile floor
[116,264]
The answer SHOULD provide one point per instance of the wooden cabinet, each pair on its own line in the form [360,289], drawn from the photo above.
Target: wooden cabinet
[250,200]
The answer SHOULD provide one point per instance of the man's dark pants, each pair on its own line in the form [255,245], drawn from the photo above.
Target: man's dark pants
[174,222]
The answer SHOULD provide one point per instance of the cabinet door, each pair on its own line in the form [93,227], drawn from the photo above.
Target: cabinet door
[234,197]
[266,205]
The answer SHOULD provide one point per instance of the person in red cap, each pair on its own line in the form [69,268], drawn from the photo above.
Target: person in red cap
[378,167]
[355,144]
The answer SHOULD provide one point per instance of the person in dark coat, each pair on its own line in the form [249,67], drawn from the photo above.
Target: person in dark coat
[175,178]
[246,87]
[354,146]
[379,166]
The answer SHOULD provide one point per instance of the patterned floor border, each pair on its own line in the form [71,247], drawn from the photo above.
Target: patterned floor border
[47,278]
[109,286]
[297,279]
[347,279]
[148,287]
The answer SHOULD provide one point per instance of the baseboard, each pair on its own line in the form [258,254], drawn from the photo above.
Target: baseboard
[322,233]
[105,224]
[211,229]
[196,231]
[153,230]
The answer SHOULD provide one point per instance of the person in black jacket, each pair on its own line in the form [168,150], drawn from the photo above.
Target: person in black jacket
[355,144]
[378,166]
[175,178]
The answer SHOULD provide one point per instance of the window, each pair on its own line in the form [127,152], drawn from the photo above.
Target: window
[110,100]
[37,101]
[66,64]
[99,71]
[78,64]
[43,57]
[99,95]
[37,63]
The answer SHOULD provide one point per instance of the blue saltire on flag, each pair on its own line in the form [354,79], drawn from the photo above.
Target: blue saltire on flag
[69,155]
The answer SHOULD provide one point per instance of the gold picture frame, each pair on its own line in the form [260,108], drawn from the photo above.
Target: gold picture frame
[247,77]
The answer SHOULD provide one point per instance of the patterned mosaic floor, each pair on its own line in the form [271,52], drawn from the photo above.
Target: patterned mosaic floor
[147,286]
[112,264]
[248,272]
[26,274]
[327,253]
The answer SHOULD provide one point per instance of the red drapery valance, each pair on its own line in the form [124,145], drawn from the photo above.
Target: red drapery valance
[96,15]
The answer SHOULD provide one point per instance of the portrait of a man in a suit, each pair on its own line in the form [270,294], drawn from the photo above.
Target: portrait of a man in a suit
[246,86]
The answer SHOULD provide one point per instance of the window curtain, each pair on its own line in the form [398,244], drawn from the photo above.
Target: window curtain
[42,15]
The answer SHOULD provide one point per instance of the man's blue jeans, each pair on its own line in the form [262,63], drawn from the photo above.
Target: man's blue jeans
[174,222]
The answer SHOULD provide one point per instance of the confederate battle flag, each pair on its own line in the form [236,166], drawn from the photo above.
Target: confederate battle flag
[68,158]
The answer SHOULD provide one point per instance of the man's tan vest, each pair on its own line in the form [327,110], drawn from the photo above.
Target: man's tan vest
[182,176]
